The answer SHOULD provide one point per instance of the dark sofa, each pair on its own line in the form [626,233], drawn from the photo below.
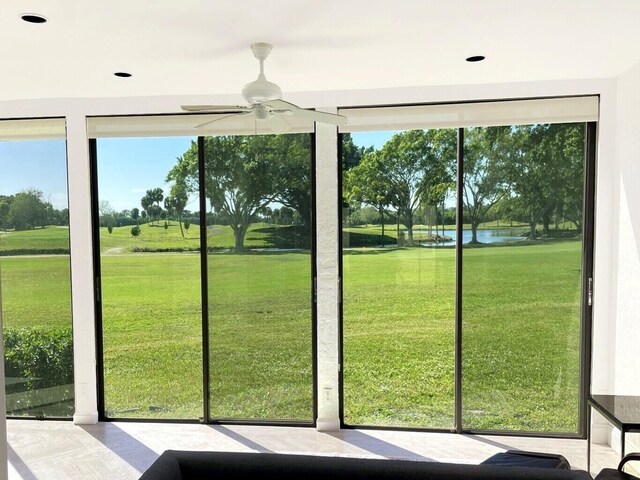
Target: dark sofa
[191,465]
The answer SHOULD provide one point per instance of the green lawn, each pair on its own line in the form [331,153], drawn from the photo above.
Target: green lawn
[520,334]
[152,236]
[260,326]
[36,291]
[520,337]
[48,238]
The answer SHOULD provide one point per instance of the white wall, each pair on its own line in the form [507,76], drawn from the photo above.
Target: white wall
[626,242]
[609,271]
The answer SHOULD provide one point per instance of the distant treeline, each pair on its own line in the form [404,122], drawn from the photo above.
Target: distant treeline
[27,210]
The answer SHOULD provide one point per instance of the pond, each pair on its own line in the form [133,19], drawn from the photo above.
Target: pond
[502,235]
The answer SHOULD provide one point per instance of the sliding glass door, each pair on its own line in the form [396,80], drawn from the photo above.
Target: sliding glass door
[464,268]
[258,190]
[150,301]
[205,268]
[399,276]
[523,198]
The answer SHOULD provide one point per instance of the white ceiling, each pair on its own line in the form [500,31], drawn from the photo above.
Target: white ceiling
[199,47]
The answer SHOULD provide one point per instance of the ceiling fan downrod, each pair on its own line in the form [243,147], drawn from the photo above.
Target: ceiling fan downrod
[261,90]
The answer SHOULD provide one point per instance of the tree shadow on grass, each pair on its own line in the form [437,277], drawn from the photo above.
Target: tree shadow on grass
[357,239]
[265,251]
[285,237]
[372,251]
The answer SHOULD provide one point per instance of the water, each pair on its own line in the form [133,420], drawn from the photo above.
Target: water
[484,236]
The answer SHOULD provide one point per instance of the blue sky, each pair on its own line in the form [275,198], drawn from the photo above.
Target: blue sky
[368,139]
[127,167]
[39,165]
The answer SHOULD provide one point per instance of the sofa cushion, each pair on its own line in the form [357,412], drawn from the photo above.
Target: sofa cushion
[519,458]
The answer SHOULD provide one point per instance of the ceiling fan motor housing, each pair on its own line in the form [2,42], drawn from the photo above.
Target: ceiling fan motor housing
[261,90]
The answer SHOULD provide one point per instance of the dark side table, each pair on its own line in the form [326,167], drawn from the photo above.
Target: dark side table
[622,411]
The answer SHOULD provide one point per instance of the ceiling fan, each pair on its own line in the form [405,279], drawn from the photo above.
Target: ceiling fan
[264,100]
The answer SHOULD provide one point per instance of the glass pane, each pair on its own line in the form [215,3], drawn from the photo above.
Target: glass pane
[150,278]
[399,278]
[36,284]
[523,197]
[259,234]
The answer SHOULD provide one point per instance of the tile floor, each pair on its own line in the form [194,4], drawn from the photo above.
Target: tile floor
[123,450]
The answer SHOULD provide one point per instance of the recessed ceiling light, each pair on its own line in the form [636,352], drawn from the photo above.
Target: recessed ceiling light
[475,58]
[33,18]
[122,74]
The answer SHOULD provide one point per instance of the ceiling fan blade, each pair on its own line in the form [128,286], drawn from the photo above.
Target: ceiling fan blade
[312,115]
[279,104]
[322,117]
[279,122]
[215,108]
[221,117]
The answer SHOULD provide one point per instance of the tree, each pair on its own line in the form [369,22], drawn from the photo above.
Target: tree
[442,172]
[155,211]
[145,203]
[291,158]
[486,151]
[504,209]
[156,195]
[5,207]
[135,214]
[64,216]
[351,153]
[572,148]
[437,196]
[105,208]
[413,164]
[239,178]
[177,200]
[27,210]
[151,203]
[179,193]
[367,183]
[546,173]
[106,213]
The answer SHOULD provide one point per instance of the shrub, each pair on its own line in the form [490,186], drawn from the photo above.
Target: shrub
[109,228]
[135,231]
[43,356]
[41,362]
[35,251]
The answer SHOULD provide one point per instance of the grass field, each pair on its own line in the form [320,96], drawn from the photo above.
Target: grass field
[520,331]
[156,237]
[49,238]
[520,337]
